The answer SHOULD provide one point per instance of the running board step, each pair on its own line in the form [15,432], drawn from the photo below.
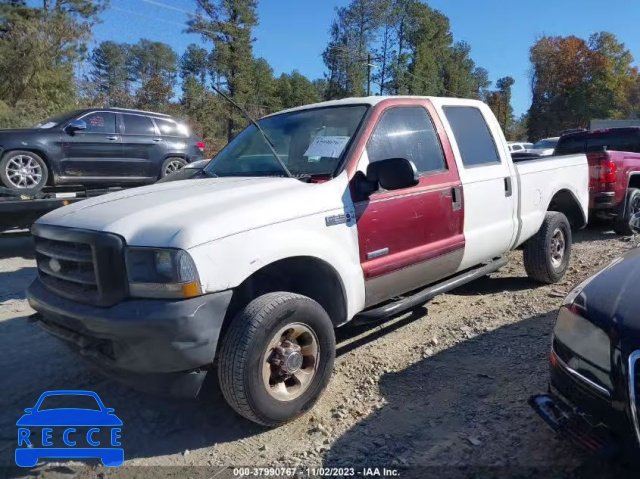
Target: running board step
[424,295]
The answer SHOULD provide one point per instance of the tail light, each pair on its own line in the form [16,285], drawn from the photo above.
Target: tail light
[200,146]
[605,171]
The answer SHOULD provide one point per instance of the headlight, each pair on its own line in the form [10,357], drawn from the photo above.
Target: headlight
[162,273]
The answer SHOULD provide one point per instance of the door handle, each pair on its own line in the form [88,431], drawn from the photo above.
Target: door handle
[456,198]
[112,138]
[157,140]
[507,187]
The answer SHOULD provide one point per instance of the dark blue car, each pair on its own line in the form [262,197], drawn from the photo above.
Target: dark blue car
[96,416]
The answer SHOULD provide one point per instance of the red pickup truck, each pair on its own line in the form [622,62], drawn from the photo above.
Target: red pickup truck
[614,171]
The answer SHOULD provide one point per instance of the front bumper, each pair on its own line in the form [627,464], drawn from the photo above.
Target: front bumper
[162,346]
[581,412]
[571,424]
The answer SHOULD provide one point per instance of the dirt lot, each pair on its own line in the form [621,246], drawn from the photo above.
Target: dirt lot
[444,387]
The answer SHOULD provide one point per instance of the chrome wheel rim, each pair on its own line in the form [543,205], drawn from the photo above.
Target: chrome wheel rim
[290,362]
[557,247]
[23,171]
[172,166]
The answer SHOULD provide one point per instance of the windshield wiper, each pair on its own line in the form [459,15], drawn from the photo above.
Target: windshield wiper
[267,140]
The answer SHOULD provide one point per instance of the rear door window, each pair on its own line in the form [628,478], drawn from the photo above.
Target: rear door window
[100,122]
[138,125]
[472,135]
[171,128]
[407,132]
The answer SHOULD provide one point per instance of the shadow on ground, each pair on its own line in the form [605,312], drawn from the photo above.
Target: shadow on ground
[596,231]
[462,408]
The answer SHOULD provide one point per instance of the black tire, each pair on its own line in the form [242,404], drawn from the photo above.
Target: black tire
[167,165]
[38,172]
[243,350]
[630,207]
[539,262]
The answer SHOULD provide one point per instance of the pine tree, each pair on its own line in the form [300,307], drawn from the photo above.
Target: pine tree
[109,73]
[228,25]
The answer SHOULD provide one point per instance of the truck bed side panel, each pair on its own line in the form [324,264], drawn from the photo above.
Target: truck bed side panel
[543,178]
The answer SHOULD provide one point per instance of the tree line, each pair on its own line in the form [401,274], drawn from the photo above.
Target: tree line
[380,47]
[574,81]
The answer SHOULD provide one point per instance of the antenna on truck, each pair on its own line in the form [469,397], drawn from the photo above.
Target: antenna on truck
[255,123]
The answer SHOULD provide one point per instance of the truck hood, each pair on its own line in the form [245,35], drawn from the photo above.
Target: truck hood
[184,214]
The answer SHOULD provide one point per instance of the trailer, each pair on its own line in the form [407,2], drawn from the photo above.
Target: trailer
[19,209]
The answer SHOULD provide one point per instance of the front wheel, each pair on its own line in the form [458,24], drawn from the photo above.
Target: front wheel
[629,208]
[276,358]
[546,255]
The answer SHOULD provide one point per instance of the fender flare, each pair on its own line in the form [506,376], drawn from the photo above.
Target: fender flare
[575,199]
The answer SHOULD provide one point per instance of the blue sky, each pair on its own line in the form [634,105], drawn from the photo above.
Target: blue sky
[293,33]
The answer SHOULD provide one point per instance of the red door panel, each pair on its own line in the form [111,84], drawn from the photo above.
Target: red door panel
[415,227]
[412,237]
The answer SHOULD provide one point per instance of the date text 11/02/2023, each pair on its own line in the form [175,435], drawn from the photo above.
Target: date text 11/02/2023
[315,472]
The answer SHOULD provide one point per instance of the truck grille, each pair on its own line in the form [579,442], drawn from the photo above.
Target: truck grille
[84,266]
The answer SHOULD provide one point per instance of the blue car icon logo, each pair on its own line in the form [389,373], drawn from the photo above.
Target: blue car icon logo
[51,429]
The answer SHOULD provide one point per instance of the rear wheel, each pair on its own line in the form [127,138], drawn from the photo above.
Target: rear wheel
[171,165]
[546,255]
[23,170]
[276,358]
[627,210]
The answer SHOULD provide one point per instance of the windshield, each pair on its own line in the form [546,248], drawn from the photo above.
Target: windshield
[309,142]
[57,119]
[545,144]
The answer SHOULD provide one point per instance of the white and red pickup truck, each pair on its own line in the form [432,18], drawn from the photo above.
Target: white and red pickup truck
[352,210]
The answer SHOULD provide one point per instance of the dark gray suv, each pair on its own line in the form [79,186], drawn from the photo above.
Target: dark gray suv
[105,146]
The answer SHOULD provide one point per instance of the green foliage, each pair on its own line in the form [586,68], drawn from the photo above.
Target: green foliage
[295,89]
[53,38]
[228,25]
[500,102]
[411,50]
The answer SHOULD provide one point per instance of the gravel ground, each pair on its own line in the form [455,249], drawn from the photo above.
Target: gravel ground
[444,387]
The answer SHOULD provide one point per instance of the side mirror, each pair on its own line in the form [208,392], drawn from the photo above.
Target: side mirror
[634,224]
[393,173]
[29,410]
[77,125]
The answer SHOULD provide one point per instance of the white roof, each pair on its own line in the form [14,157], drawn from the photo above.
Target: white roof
[374,100]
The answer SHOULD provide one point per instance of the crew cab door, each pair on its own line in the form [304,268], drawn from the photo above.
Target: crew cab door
[488,178]
[410,237]
[91,153]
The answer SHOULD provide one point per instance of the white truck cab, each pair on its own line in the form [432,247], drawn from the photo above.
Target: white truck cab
[371,206]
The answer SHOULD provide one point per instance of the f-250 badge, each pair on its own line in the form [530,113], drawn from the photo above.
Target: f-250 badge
[346,217]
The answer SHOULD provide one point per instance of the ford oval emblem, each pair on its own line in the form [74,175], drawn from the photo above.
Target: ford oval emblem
[55,265]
